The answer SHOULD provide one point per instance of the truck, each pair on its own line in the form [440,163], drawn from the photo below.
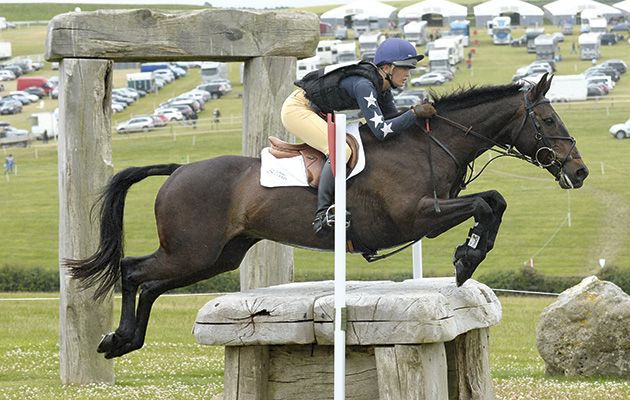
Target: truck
[416,32]
[24,82]
[501,30]
[45,121]
[547,47]
[439,59]
[590,46]
[5,50]
[530,36]
[566,88]
[142,81]
[461,28]
[152,66]
[327,51]
[593,21]
[364,23]
[454,45]
[347,52]
[212,70]
[368,43]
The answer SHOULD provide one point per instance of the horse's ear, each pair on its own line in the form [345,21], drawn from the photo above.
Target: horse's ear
[542,87]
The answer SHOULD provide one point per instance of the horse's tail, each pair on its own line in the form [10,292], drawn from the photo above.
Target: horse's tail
[103,267]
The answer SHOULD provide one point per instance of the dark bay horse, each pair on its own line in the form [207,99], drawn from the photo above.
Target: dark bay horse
[209,213]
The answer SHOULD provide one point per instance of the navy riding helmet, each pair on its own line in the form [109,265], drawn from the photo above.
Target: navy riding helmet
[398,52]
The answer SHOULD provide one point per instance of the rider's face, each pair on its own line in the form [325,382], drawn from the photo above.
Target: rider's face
[399,75]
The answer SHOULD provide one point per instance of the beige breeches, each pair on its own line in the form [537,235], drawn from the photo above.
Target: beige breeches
[299,118]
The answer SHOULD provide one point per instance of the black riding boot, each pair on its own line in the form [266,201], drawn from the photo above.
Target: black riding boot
[324,222]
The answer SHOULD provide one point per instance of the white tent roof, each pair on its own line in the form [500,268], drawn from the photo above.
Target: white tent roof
[443,7]
[572,7]
[372,7]
[496,7]
[624,5]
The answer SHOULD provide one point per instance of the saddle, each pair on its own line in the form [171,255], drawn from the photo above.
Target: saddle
[313,158]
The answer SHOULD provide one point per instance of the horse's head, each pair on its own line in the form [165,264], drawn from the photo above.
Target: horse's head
[543,136]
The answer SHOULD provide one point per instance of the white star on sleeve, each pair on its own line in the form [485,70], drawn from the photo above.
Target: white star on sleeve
[387,128]
[377,119]
[371,100]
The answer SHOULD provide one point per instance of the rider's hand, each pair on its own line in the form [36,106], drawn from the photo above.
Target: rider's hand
[424,111]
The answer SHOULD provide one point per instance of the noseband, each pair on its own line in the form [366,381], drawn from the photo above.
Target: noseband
[545,156]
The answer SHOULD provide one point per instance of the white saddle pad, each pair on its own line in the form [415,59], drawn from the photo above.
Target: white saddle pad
[282,172]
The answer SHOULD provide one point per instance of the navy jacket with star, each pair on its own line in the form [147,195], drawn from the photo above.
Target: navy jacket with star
[355,86]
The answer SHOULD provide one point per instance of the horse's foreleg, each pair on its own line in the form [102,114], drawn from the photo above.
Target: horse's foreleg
[455,211]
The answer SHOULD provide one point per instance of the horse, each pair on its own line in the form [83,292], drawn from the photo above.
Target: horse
[209,213]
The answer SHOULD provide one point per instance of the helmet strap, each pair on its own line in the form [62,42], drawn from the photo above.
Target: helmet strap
[388,76]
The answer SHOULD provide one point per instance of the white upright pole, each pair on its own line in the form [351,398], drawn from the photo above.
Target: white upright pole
[416,254]
[340,257]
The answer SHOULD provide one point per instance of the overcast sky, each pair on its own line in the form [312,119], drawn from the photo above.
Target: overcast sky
[214,3]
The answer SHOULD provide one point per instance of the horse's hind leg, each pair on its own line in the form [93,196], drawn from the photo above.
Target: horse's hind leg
[127,326]
[229,259]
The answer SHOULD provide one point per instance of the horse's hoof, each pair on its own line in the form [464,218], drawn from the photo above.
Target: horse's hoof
[107,343]
[466,259]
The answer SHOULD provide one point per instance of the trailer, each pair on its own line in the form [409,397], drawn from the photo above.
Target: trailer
[454,45]
[307,65]
[439,59]
[347,52]
[5,50]
[142,81]
[327,50]
[416,32]
[547,47]
[530,35]
[364,23]
[461,28]
[566,88]
[212,70]
[501,30]
[590,46]
[45,122]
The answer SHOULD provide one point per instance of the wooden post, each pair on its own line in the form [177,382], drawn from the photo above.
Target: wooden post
[85,166]
[267,81]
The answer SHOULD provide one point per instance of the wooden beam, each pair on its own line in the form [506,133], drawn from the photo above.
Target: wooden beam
[166,35]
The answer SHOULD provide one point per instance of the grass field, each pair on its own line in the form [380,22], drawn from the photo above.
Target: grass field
[173,366]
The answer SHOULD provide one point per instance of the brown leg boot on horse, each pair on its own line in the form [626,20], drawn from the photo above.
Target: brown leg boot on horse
[324,222]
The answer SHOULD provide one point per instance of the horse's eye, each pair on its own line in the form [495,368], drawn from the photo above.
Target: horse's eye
[549,120]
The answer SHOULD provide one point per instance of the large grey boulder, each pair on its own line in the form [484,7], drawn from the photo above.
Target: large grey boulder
[586,332]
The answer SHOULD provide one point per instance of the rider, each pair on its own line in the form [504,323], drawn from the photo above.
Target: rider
[360,85]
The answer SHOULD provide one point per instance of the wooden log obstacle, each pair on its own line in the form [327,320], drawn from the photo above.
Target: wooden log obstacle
[417,339]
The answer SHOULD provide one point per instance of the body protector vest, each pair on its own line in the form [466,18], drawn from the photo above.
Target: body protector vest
[323,89]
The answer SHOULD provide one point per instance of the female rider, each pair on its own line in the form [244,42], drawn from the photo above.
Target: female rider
[359,85]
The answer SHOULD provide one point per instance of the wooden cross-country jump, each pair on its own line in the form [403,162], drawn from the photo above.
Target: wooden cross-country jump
[86,44]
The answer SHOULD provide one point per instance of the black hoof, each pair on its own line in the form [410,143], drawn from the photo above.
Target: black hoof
[466,259]
[107,343]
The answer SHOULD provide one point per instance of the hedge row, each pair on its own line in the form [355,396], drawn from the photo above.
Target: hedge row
[37,279]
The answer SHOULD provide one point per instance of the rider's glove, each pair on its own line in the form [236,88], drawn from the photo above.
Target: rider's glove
[424,111]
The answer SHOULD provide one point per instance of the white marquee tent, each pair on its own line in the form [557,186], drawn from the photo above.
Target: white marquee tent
[383,12]
[624,7]
[420,11]
[522,13]
[569,10]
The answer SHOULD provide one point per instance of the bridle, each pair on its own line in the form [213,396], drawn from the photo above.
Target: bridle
[544,157]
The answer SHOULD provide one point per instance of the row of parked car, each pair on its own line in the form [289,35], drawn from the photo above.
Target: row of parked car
[186,106]
[9,72]
[14,102]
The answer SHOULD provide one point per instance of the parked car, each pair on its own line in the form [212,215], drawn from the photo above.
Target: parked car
[522,41]
[608,38]
[216,89]
[617,64]
[621,131]
[531,70]
[117,107]
[424,96]
[171,114]
[165,74]
[11,131]
[602,80]
[135,124]
[6,75]
[431,78]
[158,122]
[16,69]
[54,94]
[31,97]
[10,106]
[598,69]
[36,90]
[126,93]
[448,74]
[594,90]
[404,101]
[22,99]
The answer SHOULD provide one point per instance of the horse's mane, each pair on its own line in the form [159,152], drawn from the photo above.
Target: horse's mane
[466,97]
